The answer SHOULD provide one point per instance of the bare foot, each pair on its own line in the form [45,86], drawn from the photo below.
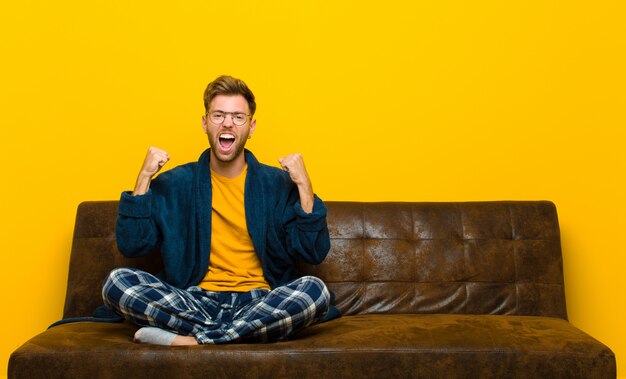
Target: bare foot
[184,341]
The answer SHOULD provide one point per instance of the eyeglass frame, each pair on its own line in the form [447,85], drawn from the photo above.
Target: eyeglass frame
[232,117]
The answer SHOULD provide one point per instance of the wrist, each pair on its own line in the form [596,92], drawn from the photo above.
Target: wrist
[307,198]
[142,185]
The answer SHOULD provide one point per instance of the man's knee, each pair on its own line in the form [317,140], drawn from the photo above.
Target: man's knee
[116,281]
[317,289]
[118,275]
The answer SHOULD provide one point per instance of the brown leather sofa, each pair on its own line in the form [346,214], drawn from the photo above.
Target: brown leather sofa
[427,290]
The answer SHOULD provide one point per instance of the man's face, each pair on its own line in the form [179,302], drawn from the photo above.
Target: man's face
[226,138]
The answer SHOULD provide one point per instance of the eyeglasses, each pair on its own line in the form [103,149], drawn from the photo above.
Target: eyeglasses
[218,117]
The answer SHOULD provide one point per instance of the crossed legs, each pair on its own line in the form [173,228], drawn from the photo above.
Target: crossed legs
[198,316]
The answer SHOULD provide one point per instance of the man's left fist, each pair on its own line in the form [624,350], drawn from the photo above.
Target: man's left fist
[294,165]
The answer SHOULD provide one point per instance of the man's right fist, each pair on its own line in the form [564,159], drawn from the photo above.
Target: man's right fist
[155,159]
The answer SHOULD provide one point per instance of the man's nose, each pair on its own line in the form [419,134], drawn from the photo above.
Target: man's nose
[228,119]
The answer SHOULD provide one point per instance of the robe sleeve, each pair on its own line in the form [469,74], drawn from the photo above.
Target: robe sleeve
[307,233]
[135,231]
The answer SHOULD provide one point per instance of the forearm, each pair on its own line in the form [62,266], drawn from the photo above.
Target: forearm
[142,185]
[306,197]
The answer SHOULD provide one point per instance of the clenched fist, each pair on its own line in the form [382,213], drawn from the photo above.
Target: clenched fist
[294,165]
[155,159]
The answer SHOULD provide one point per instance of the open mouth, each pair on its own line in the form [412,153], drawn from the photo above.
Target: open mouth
[226,141]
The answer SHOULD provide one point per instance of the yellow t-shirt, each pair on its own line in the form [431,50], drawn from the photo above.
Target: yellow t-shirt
[234,265]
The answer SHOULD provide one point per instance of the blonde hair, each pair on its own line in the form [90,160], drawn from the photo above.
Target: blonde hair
[227,85]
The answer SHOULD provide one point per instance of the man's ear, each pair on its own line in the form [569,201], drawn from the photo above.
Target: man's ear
[252,127]
[205,124]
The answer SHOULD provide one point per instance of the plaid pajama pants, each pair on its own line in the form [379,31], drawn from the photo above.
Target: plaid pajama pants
[216,317]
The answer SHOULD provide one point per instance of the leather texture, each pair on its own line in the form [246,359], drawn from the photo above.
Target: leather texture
[472,258]
[428,290]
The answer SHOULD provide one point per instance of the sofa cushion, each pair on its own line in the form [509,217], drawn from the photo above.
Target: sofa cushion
[362,346]
[500,257]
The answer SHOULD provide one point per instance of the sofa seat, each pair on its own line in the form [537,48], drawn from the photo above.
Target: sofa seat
[372,345]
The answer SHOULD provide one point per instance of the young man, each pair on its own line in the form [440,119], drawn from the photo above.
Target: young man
[229,230]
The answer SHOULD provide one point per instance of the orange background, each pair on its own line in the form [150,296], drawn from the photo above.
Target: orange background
[395,100]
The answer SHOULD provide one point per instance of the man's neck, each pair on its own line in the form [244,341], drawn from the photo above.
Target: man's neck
[230,169]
